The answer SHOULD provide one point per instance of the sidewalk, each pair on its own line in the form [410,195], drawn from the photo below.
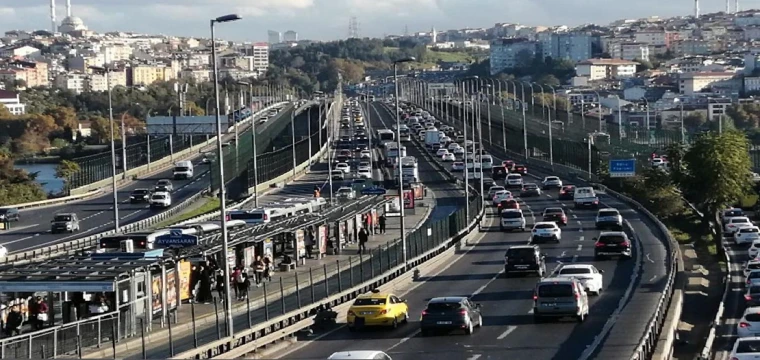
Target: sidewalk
[342,271]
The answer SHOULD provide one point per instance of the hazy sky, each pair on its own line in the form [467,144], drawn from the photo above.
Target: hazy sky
[328,19]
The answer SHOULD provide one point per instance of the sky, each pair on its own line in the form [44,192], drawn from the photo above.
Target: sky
[329,19]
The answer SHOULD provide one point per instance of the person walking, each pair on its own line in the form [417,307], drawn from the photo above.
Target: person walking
[13,322]
[220,285]
[309,243]
[240,288]
[258,268]
[363,238]
[381,222]
[236,275]
[42,313]
[268,267]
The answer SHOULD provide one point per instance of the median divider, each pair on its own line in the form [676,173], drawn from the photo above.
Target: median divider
[707,351]
[57,201]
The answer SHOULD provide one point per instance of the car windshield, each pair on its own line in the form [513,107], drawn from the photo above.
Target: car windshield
[573,271]
[552,178]
[545,226]
[443,306]
[140,192]
[608,213]
[739,221]
[749,230]
[734,213]
[158,197]
[753,266]
[555,290]
[553,211]
[163,182]
[62,218]
[612,239]
[514,177]
[181,168]
[495,189]
[524,253]
[4,211]
[568,188]
[530,186]
[369,302]
[511,215]
[754,290]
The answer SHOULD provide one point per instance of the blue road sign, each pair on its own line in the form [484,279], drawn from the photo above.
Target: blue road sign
[373,191]
[176,239]
[622,168]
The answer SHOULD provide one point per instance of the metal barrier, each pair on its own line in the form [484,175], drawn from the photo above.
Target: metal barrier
[707,351]
[56,201]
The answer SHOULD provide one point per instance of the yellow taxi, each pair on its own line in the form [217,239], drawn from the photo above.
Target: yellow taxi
[377,309]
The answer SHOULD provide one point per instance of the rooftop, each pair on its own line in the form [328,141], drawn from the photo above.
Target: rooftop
[607,62]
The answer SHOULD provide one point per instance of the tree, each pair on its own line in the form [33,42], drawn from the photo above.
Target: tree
[297,62]
[64,116]
[694,120]
[548,79]
[717,170]
[66,169]
[4,112]
[194,109]
[102,129]
[643,65]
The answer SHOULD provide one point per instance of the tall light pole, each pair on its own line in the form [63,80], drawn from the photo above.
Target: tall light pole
[647,121]
[222,191]
[620,118]
[253,146]
[107,71]
[398,155]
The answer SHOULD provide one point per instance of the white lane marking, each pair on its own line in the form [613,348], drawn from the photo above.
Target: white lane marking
[575,258]
[563,254]
[581,230]
[575,217]
[649,259]
[579,222]
[474,357]
[581,238]
[506,333]
[14,229]
[530,312]
[580,247]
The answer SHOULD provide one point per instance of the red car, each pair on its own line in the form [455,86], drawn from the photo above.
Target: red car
[509,164]
[555,214]
[509,204]
[521,169]
[567,192]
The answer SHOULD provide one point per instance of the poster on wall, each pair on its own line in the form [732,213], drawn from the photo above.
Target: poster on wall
[156,293]
[408,199]
[231,258]
[392,208]
[375,218]
[350,229]
[300,243]
[185,270]
[268,247]
[322,239]
[171,288]
[359,222]
[419,191]
[341,232]
[249,255]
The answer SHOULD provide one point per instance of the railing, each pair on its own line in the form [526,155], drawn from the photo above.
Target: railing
[56,201]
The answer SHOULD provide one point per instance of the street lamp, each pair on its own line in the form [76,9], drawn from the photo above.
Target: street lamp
[220,160]
[253,146]
[107,71]
[398,154]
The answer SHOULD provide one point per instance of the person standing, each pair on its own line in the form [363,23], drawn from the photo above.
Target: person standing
[258,268]
[309,243]
[268,267]
[13,322]
[220,285]
[363,238]
[236,280]
[240,288]
[42,314]
[381,222]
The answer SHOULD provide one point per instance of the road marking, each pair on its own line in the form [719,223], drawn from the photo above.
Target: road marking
[530,312]
[575,217]
[581,230]
[649,259]
[14,229]
[506,333]
[563,254]
[474,357]
[579,222]
[580,247]
[575,258]
[581,238]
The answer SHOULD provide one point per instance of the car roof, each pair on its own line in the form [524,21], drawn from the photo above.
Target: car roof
[609,209]
[556,280]
[373,296]
[618,233]
[753,261]
[576,266]
[554,208]
[447,299]
[355,354]
[161,193]
[511,210]
[517,247]
[752,310]
[545,223]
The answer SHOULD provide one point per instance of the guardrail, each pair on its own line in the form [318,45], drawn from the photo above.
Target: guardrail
[661,322]
[60,200]
[91,241]
[707,351]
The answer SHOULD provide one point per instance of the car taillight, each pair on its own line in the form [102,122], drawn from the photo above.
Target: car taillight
[599,244]
[564,218]
[424,312]
[142,243]
[463,312]
[535,297]
[626,243]
[596,201]
[744,325]
[266,217]
[562,192]
[747,297]
[577,295]
[351,313]
[227,217]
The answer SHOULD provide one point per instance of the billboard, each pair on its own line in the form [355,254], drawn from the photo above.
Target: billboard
[183,125]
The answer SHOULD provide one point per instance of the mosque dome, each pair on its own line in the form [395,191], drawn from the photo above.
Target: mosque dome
[72,23]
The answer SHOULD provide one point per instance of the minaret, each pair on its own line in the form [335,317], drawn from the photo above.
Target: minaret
[736,6]
[435,35]
[696,9]
[68,8]
[728,6]
[52,15]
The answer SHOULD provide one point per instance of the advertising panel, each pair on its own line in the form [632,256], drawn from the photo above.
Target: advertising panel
[359,223]
[350,230]
[300,243]
[392,208]
[408,199]
[268,247]
[419,191]
[249,255]
[156,293]
[322,239]
[171,288]
[231,258]
[342,235]
[185,269]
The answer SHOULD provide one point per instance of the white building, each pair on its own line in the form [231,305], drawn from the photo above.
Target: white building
[72,81]
[290,35]
[274,37]
[507,53]
[19,50]
[98,82]
[653,37]
[605,69]
[570,46]
[12,102]
[198,74]
[258,53]
[691,83]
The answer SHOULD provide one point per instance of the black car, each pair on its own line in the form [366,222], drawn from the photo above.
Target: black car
[139,195]
[9,214]
[556,215]
[499,172]
[524,259]
[612,243]
[450,313]
[567,192]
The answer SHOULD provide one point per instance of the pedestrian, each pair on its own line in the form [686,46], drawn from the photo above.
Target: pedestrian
[268,267]
[258,268]
[42,314]
[363,238]
[13,322]
[309,243]
[33,312]
[381,221]
[234,280]
[240,288]
[220,285]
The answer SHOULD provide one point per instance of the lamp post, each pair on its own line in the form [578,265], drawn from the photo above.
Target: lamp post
[620,118]
[220,160]
[398,154]
[649,138]
[524,118]
[599,101]
[253,146]
[107,71]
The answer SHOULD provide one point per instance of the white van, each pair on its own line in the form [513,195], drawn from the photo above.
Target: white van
[486,162]
[183,170]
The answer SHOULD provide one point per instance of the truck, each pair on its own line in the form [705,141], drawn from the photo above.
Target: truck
[433,136]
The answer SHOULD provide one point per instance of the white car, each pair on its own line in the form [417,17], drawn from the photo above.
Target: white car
[453,146]
[749,234]
[457,166]
[551,182]
[493,190]
[441,152]
[734,224]
[3,251]
[160,199]
[448,157]
[746,348]
[730,213]
[512,219]
[459,151]
[753,264]
[365,154]
[546,231]
[514,180]
[500,196]
[749,325]
[345,168]
[364,172]
[346,192]
[591,277]
[445,140]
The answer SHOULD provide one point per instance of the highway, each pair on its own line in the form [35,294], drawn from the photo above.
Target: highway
[96,213]
[735,304]
[509,331]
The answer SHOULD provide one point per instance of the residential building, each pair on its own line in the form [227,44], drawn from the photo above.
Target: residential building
[36,72]
[84,62]
[238,74]
[116,53]
[752,84]
[629,51]
[508,53]
[258,56]
[751,33]
[652,37]
[606,69]
[99,82]
[12,102]
[571,46]
[11,76]
[197,74]
[72,81]
[691,83]
[19,50]
[274,37]
[290,35]
[717,107]
[148,74]
[692,47]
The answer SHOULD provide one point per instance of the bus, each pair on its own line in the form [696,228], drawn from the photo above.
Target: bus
[385,136]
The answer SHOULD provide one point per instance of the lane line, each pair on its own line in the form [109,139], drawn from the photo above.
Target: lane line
[506,333]
[580,247]
[475,357]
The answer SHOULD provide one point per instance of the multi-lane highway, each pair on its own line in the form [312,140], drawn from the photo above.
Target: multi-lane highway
[509,331]
[96,213]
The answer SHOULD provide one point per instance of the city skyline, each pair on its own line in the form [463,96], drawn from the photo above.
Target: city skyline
[329,19]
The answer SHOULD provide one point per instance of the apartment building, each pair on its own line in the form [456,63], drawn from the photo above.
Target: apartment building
[692,47]
[257,55]
[99,82]
[629,50]
[36,73]
[507,53]
[19,50]
[72,81]
[691,83]
[198,74]
[148,74]
[12,101]
[570,46]
[606,69]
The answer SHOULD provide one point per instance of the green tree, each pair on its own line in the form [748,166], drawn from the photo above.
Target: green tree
[717,170]
[548,79]
[4,112]
[64,116]
[66,169]
[643,65]
[694,120]
[101,127]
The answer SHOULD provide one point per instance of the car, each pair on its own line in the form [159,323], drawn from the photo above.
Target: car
[345,168]
[546,231]
[591,278]
[453,146]
[207,158]
[499,172]
[509,164]
[459,152]
[551,182]
[609,218]
[365,154]
[450,313]
[440,152]
[457,166]
[9,214]
[566,192]
[512,219]
[160,188]
[508,204]
[521,169]
[748,234]
[749,324]
[730,213]
[558,297]
[166,183]
[752,278]
[377,309]
[364,172]
[488,182]
[753,264]
[64,222]
[359,354]
[338,175]
[733,224]
[745,348]
[493,190]
[445,140]
[448,157]
[585,197]
[499,196]
[3,251]
[344,153]
[345,192]
[513,180]
[529,190]
[139,195]
[345,125]
[160,199]
[612,243]
[555,214]
[524,259]
[752,295]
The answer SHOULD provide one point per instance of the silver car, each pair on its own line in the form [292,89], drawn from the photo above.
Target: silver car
[559,297]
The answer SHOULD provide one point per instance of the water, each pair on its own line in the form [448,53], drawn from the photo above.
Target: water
[45,176]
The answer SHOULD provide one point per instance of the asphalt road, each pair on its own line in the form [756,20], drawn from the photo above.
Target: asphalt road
[96,214]
[509,331]
[445,194]
[734,302]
